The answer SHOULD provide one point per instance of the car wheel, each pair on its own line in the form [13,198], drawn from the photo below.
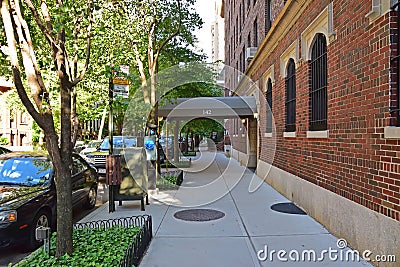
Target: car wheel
[91,198]
[41,219]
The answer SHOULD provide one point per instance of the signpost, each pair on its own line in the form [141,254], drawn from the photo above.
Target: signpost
[118,86]
[121,83]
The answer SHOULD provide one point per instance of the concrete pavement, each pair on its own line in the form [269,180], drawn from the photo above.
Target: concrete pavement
[250,233]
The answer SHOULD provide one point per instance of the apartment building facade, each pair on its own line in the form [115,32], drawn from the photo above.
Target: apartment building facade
[15,126]
[328,71]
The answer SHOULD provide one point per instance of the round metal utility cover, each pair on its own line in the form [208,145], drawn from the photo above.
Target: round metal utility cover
[199,215]
[287,208]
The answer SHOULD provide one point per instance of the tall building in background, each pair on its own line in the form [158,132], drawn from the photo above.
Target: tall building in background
[16,126]
[217,33]
[218,41]
[329,75]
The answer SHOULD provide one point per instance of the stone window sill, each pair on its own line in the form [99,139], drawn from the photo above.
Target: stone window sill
[289,134]
[391,132]
[318,134]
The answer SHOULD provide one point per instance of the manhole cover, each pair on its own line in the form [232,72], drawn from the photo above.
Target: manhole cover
[287,208]
[199,215]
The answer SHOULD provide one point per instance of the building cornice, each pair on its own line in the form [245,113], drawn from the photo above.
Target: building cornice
[289,15]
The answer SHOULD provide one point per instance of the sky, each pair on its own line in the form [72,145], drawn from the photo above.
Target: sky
[205,8]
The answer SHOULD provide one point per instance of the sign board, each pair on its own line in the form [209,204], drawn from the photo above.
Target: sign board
[121,90]
[149,145]
[121,84]
[120,80]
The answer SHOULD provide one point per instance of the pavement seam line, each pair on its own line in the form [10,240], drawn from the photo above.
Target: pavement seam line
[237,210]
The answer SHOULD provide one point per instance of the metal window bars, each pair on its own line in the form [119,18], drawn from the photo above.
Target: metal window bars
[268,98]
[395,110]
[319,80]
[290,104]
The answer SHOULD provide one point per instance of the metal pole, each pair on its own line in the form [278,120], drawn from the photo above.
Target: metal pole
[111,207]
[398,68]
[110,119]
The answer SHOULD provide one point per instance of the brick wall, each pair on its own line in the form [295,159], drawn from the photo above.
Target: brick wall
[355,161]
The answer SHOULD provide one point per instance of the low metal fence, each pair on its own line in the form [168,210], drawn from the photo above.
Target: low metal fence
[134,253]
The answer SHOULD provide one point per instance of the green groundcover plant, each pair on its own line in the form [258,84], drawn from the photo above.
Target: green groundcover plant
[92,247]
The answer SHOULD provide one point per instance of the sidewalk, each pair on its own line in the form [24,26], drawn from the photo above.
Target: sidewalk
[249,226]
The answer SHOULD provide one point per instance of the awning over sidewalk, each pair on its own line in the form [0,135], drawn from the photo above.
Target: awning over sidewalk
[210,107]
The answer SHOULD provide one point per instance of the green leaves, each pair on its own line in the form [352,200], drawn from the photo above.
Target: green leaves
[92,247]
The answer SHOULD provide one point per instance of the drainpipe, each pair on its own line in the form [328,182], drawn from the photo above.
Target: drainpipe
[398,68]
[396,107]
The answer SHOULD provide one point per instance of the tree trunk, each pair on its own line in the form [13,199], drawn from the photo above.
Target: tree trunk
[187,140]
[103,118]
[192,143]
[176,143]
[74,118]
[64,196]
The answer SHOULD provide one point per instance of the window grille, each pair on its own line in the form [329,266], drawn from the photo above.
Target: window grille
[290,104]
[319,81]
[268,98]
[268,17]
[395,109]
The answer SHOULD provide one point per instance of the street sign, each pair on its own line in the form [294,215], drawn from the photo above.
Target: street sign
[121,81]
[121,90]
[121,84]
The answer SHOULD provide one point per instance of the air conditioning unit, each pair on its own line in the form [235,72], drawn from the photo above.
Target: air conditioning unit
[250,52]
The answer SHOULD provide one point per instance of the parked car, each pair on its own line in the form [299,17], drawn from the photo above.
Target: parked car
[28,194]
[91,147]
[98,157]
[79,146]
[4,150]
[163,145]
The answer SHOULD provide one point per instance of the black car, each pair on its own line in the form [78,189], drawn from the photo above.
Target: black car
[98,158]
[28,194]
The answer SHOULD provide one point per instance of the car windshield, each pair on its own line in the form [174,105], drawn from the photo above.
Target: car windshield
[93,144]
[25,171]
[118,142]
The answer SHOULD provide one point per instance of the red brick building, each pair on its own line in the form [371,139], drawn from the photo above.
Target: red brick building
[329,71]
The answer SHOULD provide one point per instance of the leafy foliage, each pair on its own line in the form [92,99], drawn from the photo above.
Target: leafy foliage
[3,141]
[204,127]
[93,247]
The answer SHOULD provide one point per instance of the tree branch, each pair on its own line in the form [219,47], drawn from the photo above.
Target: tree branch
[27,60]
[142,74]
[172,35]
[11,42]
[44,29]
[25,30]
[88,43]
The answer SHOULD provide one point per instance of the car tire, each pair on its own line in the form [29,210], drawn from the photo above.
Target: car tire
[42,218]
[91,198]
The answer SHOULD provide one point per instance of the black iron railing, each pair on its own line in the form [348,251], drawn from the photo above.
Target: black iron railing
[319,82]
[134,253]
[395,109]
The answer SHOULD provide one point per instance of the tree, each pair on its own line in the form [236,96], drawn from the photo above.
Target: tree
[62,33]
[171,28]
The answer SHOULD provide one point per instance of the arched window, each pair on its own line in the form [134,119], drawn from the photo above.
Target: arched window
[268,15]
[290,103]
[268,98]
[319,81]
